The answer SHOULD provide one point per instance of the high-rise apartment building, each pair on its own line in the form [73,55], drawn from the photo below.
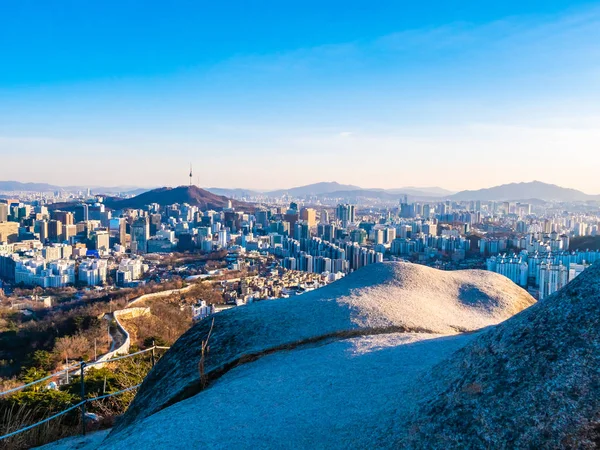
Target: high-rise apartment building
[140,233]
[101,240]
[346,214]
[302,230]
[326,231]
[552,278]
[3,212]
[291,217]
[55,231]
[262,218]
[155,220]
[82,213]
[66,218]
[309,215]
[117,230]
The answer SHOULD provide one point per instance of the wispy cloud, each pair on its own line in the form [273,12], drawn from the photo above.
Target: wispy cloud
[517,35]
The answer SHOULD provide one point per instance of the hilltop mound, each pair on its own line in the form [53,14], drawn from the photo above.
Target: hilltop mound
[378,299]
[192,195]
[530,382]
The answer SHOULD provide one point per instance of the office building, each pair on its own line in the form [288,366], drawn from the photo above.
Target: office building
[9,231]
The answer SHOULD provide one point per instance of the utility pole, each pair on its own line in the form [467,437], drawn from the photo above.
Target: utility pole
[153,356]
[82,369]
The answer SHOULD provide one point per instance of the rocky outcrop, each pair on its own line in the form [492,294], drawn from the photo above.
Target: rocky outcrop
[530,382]
[392,356]
[376,300]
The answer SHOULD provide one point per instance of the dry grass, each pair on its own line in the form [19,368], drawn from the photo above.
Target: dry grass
[20,416]
[166,322]
[203,353]
[9,383]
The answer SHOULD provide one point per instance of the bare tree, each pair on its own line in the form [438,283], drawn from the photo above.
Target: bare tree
[72,347]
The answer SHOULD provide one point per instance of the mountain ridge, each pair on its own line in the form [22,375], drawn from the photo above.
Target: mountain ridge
[323,187]
[164,196]
[523,191]
[332,188]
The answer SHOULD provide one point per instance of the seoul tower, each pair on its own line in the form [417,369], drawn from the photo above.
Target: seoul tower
[190,174]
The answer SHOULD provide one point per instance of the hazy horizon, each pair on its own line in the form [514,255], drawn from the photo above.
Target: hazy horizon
[270,96]
[260,189]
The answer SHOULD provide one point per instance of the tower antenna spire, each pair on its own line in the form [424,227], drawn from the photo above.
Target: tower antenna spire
[190,174]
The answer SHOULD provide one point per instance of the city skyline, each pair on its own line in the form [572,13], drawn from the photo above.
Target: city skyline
[401,95]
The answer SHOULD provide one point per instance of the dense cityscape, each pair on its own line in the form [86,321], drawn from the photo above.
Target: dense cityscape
[58,240]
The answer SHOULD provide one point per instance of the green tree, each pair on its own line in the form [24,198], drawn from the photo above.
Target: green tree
[155,340]
[96,381]
[78,322]
[43,360]
[43,402]
[32,374]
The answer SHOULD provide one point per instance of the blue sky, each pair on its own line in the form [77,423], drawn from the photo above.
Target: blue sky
[273,94]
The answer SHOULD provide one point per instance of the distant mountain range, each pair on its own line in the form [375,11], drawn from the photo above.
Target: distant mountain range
[534,191]
[17,186]
[525,191]
[314,189]
[234,192]
[434,190]
[334,189]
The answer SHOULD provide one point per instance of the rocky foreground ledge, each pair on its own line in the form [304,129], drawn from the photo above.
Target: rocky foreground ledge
[388,357]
